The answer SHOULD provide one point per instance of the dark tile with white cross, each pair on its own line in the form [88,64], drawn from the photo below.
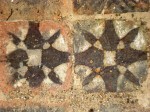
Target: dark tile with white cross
[110,55]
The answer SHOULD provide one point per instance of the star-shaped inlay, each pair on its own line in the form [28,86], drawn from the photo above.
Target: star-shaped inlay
[35,58]
[109,57]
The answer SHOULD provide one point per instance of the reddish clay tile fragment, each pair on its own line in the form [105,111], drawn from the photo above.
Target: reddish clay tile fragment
[35,55]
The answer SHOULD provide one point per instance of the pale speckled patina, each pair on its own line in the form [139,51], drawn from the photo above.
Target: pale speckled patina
[114,57]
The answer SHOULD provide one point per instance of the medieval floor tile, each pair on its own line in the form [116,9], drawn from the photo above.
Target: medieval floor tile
[34,55]
[109,6]
[115,56]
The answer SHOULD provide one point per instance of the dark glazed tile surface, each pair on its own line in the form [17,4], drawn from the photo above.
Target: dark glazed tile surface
[115,65]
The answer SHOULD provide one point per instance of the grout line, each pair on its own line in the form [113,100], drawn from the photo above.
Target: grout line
[74,17]
[137,15]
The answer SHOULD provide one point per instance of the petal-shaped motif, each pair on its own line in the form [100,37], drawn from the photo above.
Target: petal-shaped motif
[92,58]
[52,75]
[109,38]
[110,76]
[16,57]
[34,38]
[52,39]
[52,57]
[128,56]
[88,79]
[16,40]
[129,38]
[131,77]
[35,76]
[89,37]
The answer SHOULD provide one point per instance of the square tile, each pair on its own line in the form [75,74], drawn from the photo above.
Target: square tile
[119,64]
[31,55]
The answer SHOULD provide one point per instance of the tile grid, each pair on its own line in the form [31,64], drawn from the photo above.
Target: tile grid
[99,16]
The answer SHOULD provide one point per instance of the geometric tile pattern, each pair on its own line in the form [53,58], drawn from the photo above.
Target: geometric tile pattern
[109,55]
[85,7]
[123,6]
[110,6]
[35,59]
[110,62]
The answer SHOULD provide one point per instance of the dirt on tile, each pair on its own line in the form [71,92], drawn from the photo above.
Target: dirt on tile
[35,10]
[76,100]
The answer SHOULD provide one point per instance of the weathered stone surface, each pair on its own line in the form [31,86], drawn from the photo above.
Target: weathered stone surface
[39,109]
[109,6]
[116,66]
[30,9]
[64,95]
[5,10]
[124,6]
[88,6]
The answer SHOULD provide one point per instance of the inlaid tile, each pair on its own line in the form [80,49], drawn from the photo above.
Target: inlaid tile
[109,62]
[33,53]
